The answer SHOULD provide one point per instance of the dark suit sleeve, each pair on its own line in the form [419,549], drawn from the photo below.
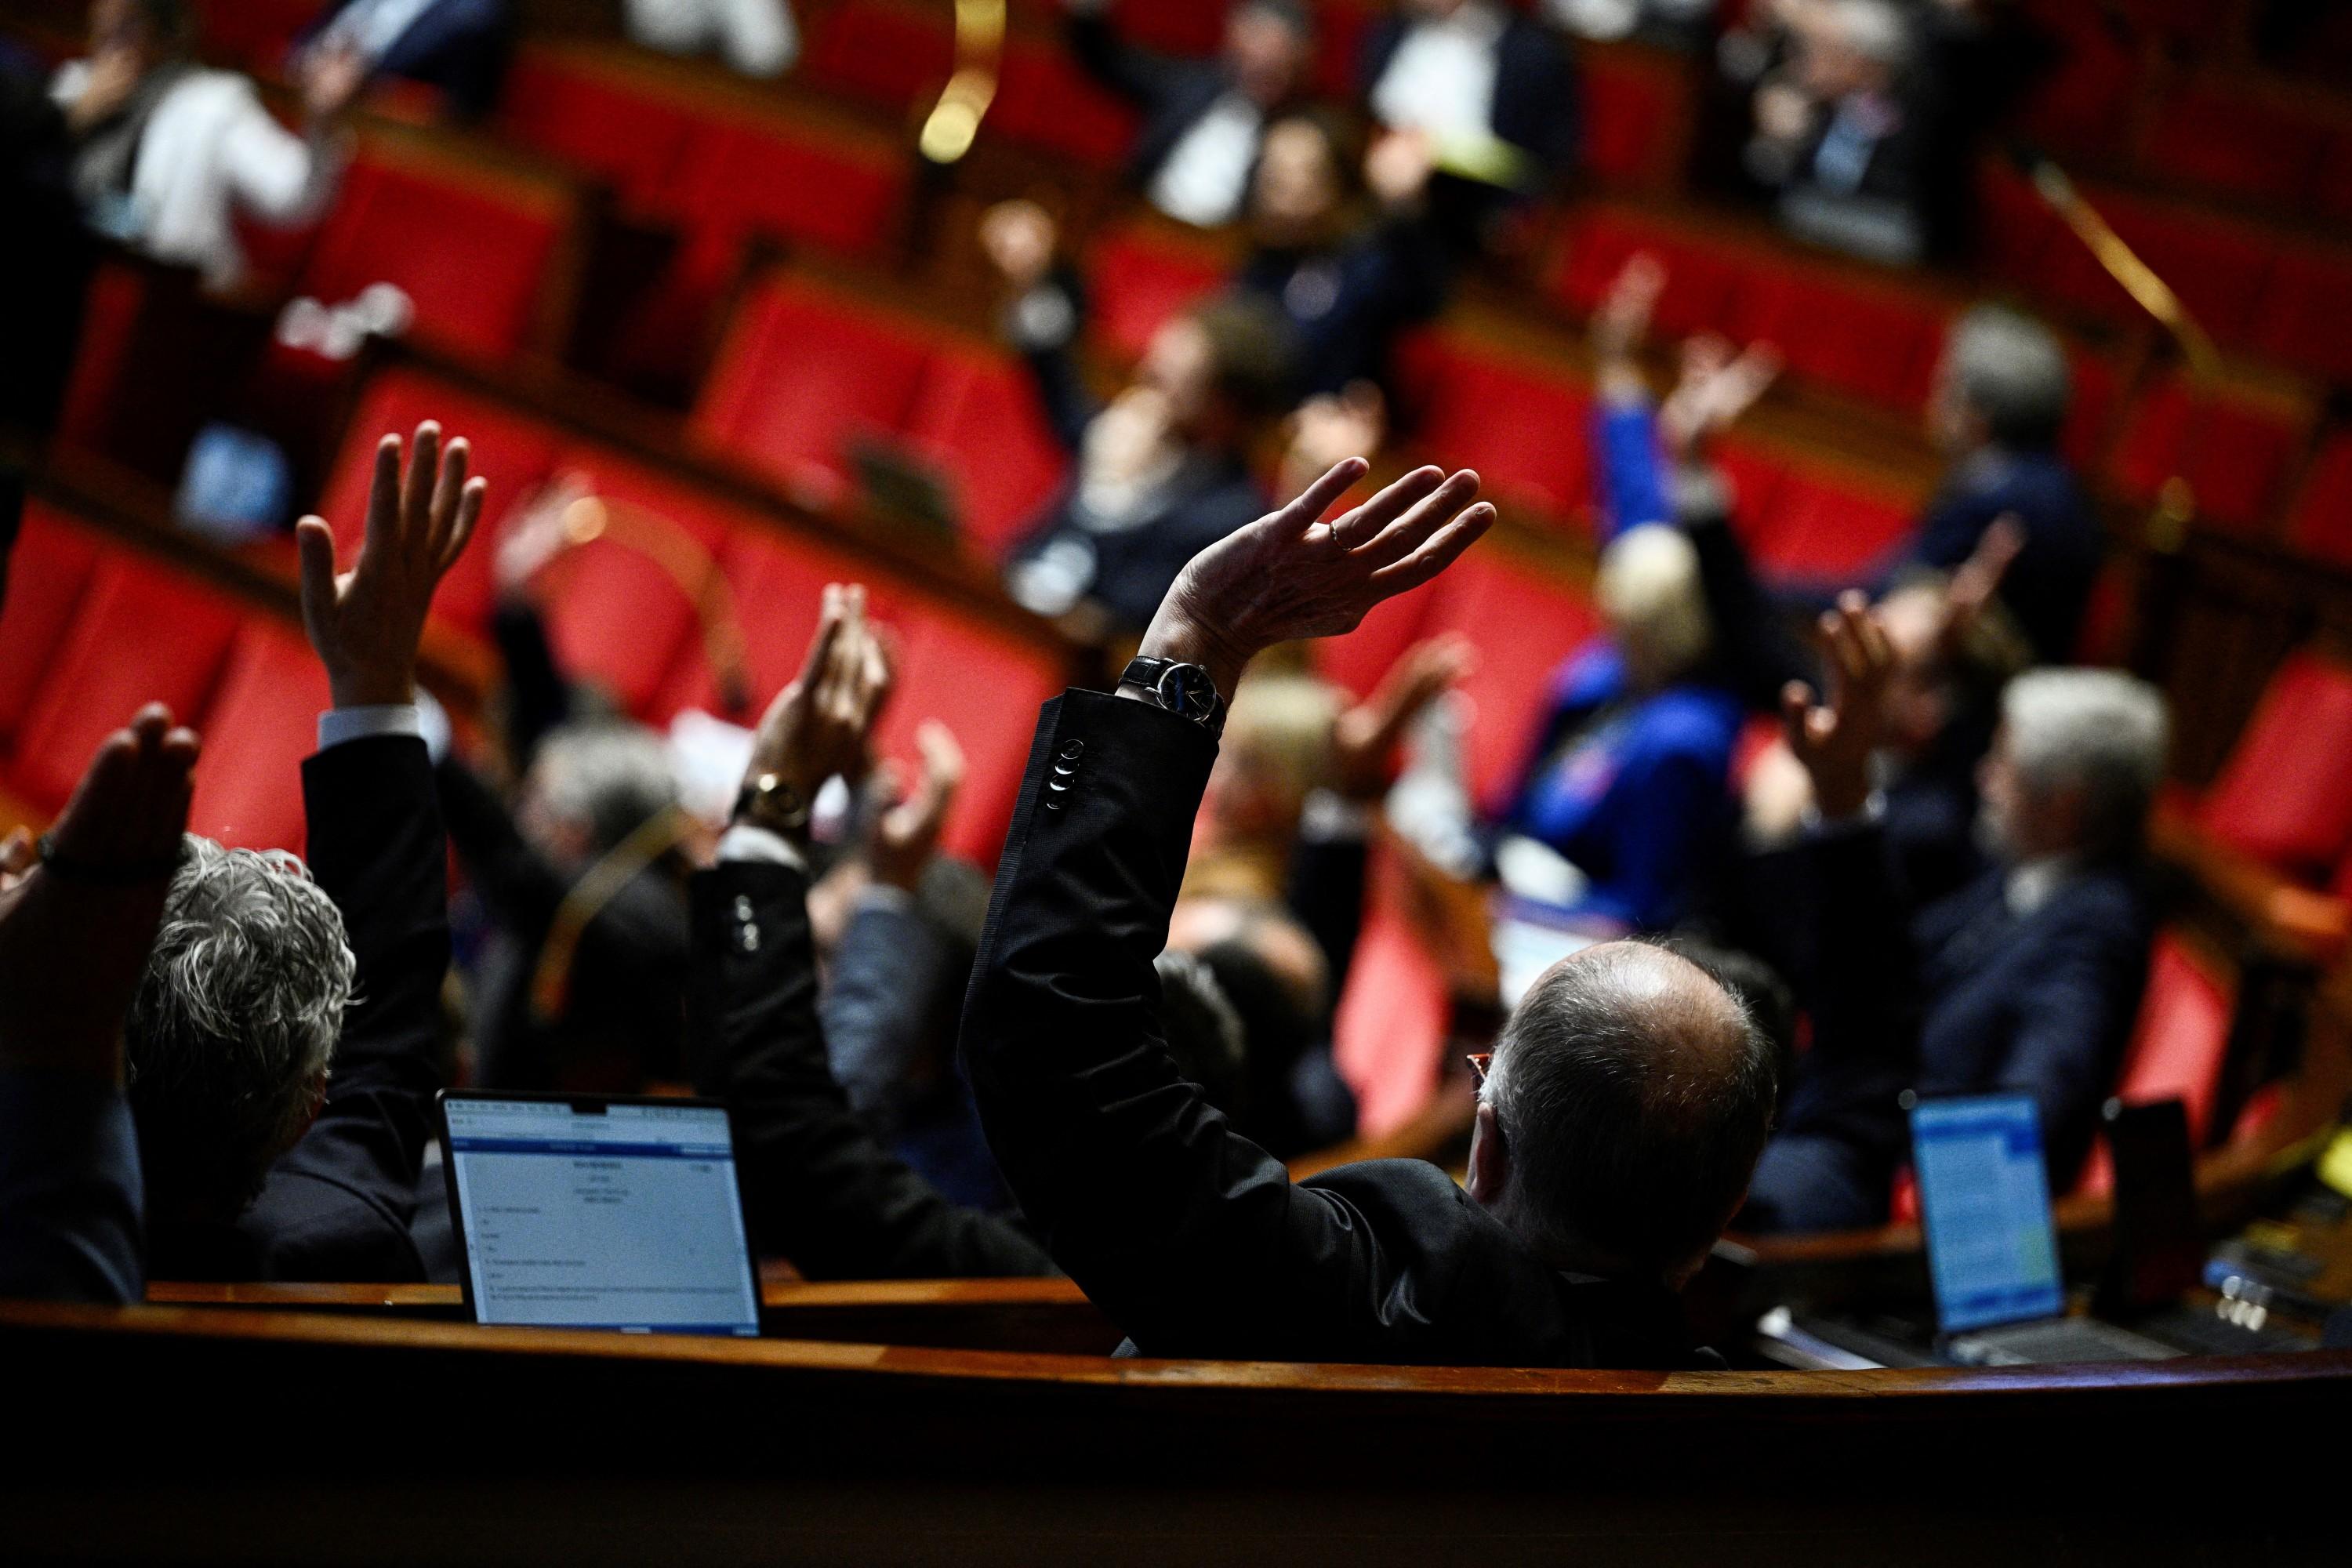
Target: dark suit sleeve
[820,1189]
[885,971]
[376,847]
[2077,1008]
[1190,1236]
[71,1197]
[522,888]
[1326,895]
[1864,998]
[539,694]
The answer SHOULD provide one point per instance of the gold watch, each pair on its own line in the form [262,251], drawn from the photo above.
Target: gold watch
[769,801]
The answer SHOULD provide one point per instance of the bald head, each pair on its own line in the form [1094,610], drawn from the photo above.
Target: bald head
[1632,1093]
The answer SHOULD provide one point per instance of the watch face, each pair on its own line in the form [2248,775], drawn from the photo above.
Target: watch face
[1186,688]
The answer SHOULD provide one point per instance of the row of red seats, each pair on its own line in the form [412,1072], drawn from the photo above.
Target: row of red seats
[95,629]
[620,621]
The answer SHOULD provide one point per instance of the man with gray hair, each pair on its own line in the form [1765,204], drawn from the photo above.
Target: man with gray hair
[1626,1103]
[2002,394]
[280,1041]
[2027,980]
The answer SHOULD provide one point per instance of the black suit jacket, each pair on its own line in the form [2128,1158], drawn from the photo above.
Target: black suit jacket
[1173,92]
[337,1204]
[1191,1237]
[1535,106]
[818,1187]
[460,46]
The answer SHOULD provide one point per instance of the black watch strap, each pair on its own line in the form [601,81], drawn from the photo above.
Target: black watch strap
[1183,690]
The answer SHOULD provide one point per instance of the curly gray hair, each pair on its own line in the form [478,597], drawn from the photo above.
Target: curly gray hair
[234,1022]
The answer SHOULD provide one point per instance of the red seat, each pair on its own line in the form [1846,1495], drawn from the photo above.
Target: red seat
[514,453]
[615,615]
[2178,1050]
[48,575]
[2285,797]
[977,417]
[944,657]
[778,584]
[1701,275]
[885,53]
[1045,102]
[2321,523]
[2301,321]
[2084,105]
[823,185]
[262,721]
[1525,427]
[141,634]
[1388,1033]
[804,371]
[258,33]
[1634,105]
[2219,267]
[1831,527]
[598,120]
[2232,445]
[1524,622]
[1139,277]
[1339,29]
[2235,140]
[1878,344]
[474,249]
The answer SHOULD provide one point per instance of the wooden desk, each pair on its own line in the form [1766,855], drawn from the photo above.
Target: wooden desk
[325,1438]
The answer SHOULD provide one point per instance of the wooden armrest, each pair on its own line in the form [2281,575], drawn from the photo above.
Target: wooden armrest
[2292,921]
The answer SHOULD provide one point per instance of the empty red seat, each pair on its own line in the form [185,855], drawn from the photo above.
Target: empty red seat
[2233,444]
[472,246]
[1701,275]
[262,721]
[1523,425]
[1388,1034]
[2303,320]
[976,415]
[141,634]
[814,182]
[885,53]
[2236,139]
[514,453]
[1045,101]
[1525,621]
[777,584]
[1140,276]
[48,573]
[2321,523]
[1634,103]
[1831,527]
[1876,343]
[591,115]
[2178,1049]
[2219,267]
[945,655]
[803,372]
[2285,797]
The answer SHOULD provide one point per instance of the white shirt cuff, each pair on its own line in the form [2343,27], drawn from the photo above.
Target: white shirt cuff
[336,725]
[1329,816]
[749,841]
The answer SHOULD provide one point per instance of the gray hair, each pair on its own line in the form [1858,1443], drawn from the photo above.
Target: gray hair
[234,1022]
[2013,371]
[1877,30]
[2098,730]
[609,774]
[1633,1092]
[1649,588]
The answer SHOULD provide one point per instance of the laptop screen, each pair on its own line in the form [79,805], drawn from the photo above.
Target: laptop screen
[601,1214]
[1991,1249]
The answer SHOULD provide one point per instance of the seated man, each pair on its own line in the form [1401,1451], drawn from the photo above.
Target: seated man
[1625,1106]
[282,1038]
[2028,979]
[77,922]
[458,47]
[755,37]
[1162,470]
[1204,121]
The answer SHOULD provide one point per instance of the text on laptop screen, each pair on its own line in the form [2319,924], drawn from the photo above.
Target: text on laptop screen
[620,1217]
[1991,1251]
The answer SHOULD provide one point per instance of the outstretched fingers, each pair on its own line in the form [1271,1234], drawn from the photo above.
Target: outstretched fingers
[1422,520]
[1434,554]
[1307,509]
[1400,496]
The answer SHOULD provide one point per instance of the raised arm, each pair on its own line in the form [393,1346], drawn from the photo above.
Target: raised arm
[1189,1236]
[820,1189]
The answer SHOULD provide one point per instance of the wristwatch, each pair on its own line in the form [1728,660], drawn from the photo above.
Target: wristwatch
[767,800]
[1184,690]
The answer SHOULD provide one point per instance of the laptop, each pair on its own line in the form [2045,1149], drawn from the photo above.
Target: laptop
[1992,1247]
[589,1212]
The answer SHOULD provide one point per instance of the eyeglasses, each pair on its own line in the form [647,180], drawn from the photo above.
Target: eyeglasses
[1481,1063]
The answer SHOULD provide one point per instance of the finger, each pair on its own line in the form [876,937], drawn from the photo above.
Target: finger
[1796,704]
[470,514]
[383,497]
[943,758]
[448,491]
[1366,522]
[1440,551]
[1407,533]
[314,544]
[820,649]
[1307,509]
[416,490]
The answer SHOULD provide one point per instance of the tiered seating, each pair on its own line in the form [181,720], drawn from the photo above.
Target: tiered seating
[2284,797]
[2235,443]
[621,620]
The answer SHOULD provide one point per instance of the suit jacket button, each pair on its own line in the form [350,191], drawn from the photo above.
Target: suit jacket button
[1072,749]
[742,908]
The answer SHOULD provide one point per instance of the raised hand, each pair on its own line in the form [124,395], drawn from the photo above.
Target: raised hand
[365,624]
[1717,387]
[75,929]
[819,724]
[1290,574]
[906,836]
[1364,738]
[1623,319]
[1835,740]
[1978,579]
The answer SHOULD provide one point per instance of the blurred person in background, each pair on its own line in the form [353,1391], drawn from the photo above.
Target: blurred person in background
[755,37]
[167,154]
[1204,121]
[1491,90]
[456,47]
[1162,470]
